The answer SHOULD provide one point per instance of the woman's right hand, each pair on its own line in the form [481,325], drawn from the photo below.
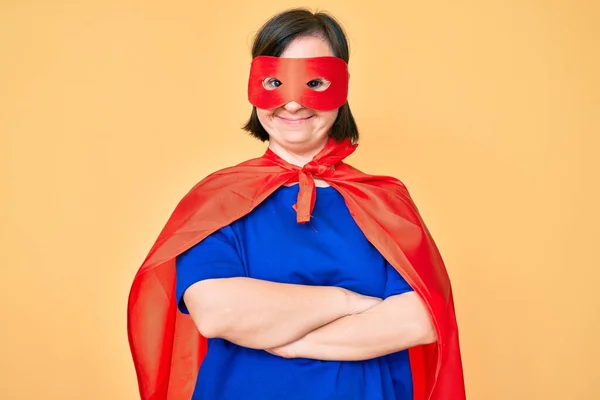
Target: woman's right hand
[358,303]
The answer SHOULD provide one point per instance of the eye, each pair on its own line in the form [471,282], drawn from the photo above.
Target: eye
[319,84]
[271,83]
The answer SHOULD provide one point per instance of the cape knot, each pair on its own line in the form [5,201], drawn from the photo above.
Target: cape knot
[319,170]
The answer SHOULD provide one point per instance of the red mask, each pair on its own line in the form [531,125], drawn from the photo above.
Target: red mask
[319,83]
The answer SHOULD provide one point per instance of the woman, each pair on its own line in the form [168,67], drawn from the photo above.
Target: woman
[279,262]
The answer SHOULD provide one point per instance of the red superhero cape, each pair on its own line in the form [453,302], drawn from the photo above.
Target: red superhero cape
[167,348]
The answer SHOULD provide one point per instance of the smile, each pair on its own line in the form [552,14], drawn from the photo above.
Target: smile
[294,121]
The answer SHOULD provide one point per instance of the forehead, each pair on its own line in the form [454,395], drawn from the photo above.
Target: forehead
[306,47]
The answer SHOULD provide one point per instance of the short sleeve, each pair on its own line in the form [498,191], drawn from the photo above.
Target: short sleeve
[215,257]
[395,283]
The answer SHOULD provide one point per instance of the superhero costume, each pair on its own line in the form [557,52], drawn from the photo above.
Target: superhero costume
[167,348]
[330,250]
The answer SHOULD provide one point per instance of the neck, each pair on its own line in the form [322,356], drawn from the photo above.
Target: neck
[299,155]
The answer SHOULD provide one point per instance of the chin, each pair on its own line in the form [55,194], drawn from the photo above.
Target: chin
[298,141]
[294,141]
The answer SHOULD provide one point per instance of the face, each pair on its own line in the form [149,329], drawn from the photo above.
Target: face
[292,127]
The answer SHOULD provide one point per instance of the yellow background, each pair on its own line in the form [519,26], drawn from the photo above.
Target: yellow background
[488,110]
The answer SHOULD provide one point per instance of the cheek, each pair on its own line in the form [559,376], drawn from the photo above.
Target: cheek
[328,117]
[264,113]
[265,116]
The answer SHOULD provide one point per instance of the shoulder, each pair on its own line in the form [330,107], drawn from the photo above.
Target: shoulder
[386,182]
[224,237]
[204,190]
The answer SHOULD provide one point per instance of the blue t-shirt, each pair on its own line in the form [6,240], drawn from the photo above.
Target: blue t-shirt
[331,250]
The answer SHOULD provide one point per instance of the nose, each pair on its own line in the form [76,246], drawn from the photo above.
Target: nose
[292,107]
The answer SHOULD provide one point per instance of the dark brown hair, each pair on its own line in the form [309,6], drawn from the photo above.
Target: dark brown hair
[273,38]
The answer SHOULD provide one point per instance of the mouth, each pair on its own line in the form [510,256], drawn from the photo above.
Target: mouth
[294,121]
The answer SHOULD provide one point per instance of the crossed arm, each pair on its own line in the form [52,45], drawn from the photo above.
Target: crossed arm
[298,321]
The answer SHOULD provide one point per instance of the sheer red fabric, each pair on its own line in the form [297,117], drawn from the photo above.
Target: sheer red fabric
[166,347]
